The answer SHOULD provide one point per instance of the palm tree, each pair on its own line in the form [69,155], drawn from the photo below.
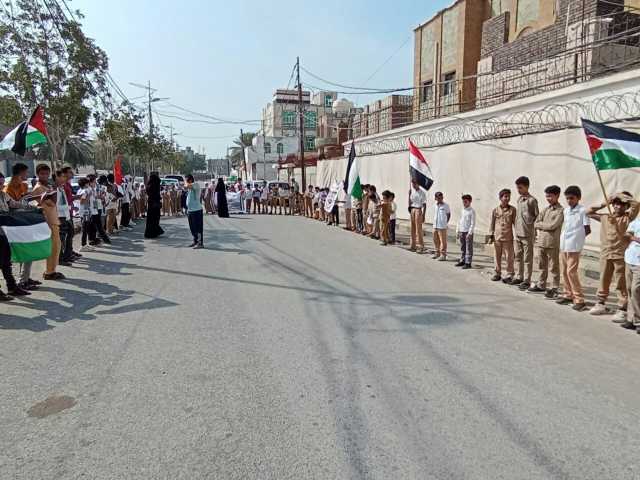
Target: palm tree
[236,153]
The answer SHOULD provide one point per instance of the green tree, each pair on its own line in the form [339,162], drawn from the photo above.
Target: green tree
[46,59]
[10,112]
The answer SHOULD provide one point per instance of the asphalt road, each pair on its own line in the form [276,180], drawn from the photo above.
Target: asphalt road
[291,350]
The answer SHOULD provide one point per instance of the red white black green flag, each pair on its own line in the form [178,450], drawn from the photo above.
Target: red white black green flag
[612,148]
[27,134]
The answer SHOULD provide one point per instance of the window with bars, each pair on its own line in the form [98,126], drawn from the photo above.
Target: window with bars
[280,148]
[267,147]
[310,120]
[448,84]
[309,144]
[288,118]
[426,92]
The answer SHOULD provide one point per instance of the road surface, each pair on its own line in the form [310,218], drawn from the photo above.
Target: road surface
[291,350]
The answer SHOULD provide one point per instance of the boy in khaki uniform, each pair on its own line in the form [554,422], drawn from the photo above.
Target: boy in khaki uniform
[549,226]
[503,219]
[613,243]
[385,217]
[527,213]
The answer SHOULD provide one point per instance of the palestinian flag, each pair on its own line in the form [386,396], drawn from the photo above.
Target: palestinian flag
[28,234]
[27,134]
[612,148]
[352,185]
[419,168]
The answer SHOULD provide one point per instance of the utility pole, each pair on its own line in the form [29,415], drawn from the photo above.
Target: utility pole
[150,121]
[244,158]
[150,100]
[301,114]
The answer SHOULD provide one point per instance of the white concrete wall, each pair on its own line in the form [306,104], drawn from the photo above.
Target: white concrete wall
[482,169]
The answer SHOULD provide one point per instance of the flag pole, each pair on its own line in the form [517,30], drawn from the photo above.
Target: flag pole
[604,191]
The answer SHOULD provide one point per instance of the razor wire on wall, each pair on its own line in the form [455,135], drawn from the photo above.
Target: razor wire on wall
[553,117]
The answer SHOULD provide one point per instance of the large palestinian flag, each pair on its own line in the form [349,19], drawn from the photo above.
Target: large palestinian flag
[27,134]
[28,234]
[419,168]
[612,148]
[352,184]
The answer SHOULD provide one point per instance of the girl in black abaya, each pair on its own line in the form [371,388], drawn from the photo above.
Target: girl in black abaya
[154,203]
[221,199]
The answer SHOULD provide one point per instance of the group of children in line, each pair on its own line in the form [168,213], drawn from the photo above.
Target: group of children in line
[98,201]
[271,199]
[174,200]
[373,216]
[558,234]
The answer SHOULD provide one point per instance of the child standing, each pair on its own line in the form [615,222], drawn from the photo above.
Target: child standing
[575,229]
[365,210]
[348,203]
[84,196]
[632,261]
[374,212]
[392,219]
[441,217]
[359,221]
[503,219]
[466,226]
[417,209]
[613,244]
[385,217]
[549,226]
[527,212]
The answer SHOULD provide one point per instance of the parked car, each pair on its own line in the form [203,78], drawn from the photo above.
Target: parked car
[168,182]
[179,178]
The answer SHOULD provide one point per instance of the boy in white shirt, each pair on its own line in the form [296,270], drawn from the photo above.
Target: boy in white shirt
[466,226]
[84,196]
[441,217]
[632,261]
[575,229]
[392,221]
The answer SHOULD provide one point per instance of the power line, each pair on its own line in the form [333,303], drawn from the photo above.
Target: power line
[194,120]
[387,61]
[339,85]
[212,117]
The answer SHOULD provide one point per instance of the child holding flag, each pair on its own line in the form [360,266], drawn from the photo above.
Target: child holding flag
[613,244]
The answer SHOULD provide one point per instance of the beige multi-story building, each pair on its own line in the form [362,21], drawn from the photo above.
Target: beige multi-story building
[447,50]
[280,116]
[477,53]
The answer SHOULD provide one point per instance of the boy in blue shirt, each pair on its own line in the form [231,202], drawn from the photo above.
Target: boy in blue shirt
[194,212]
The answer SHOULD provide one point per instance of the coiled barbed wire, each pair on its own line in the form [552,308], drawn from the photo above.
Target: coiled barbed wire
[606,109]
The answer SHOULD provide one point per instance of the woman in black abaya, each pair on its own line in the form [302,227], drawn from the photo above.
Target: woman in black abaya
[221,199]
[154,202]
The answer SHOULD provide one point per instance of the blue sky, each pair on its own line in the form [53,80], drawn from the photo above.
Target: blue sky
[226,58]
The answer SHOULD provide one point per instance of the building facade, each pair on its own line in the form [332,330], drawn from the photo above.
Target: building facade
[266,153]
[446,53]
[529,46]
[280,117]
[394,111]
